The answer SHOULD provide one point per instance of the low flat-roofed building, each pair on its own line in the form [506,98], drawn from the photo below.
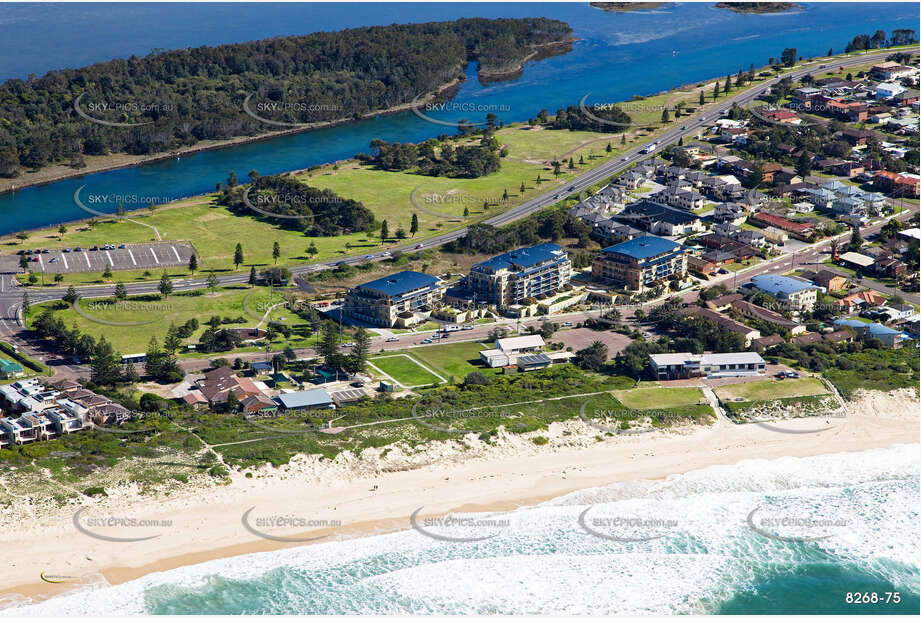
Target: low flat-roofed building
[520,345]
[10,369]
[530,362]
[686,365]
[857,260]
[315,398]
[495,358]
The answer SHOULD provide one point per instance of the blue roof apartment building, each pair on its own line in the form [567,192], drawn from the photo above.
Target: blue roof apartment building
[642,263]
[795,294]
[510,277]
[380,302]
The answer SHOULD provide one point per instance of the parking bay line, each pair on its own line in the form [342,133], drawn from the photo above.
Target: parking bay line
[154,256]
[64,259]
[87,256]
[131,255]
[109,257]
[178,259]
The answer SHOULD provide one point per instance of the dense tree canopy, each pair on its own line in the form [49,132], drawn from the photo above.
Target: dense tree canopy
[174,99]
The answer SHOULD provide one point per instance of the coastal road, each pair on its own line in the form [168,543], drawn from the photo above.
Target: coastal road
[11,295]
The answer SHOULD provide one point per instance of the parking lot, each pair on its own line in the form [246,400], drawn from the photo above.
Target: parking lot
[147,256]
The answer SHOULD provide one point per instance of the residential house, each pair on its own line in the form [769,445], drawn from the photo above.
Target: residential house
[756,312]
[748,333]
[830,281]
[890,337]
[801,231]
[658,219]
[858,301]
[766,343]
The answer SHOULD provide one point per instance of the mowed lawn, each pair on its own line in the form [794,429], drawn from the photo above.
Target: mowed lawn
[772,389]
[453,359]
[404,370]
[212,230]
[129,326]
[649,398]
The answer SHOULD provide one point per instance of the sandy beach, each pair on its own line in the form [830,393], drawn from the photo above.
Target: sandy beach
[379,490]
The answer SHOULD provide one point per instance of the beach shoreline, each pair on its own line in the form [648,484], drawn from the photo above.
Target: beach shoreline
[465,476]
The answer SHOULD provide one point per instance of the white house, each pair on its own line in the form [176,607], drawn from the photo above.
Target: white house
[887,90]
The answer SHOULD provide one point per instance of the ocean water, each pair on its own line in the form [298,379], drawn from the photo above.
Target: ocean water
[618,55]
[783,536]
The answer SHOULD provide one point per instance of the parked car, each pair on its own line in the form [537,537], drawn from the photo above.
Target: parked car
[392,339]
[54,259]
[567,323]
[426,341]
[78,249]
[67,249]
[467,327]
[122,246]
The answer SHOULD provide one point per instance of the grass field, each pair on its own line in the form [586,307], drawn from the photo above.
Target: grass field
[650,398]
[453,359]
[764,390]
[405,370]
[131,325]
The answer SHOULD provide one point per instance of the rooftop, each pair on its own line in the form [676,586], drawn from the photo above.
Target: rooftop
[302,399]
[510,344]
[525,257]
[400,283]
[778,284]
[643,247]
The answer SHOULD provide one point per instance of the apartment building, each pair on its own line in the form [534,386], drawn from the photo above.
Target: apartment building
[511,277]
[796,294]
[381,301]
[641,263]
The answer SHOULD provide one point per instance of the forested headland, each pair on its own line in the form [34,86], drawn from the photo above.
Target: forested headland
[175,99]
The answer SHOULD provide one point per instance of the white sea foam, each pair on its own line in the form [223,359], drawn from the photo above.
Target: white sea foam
[546,562]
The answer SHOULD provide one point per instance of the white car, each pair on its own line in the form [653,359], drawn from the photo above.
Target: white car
[392,339]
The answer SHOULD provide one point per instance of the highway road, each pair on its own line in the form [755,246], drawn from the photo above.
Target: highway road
[11,293]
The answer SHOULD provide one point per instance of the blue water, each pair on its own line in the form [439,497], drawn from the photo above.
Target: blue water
[706,558]
[619,55]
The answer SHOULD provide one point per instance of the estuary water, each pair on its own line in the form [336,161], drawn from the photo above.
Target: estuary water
[618,55]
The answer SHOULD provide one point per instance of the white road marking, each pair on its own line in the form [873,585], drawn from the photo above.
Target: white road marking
[178,259]
[87,256]
[64,259]
[109,257]
[133,261]
[154,255]
[41,262]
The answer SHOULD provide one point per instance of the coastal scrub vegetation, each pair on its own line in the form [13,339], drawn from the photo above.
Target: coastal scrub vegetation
[174,99]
